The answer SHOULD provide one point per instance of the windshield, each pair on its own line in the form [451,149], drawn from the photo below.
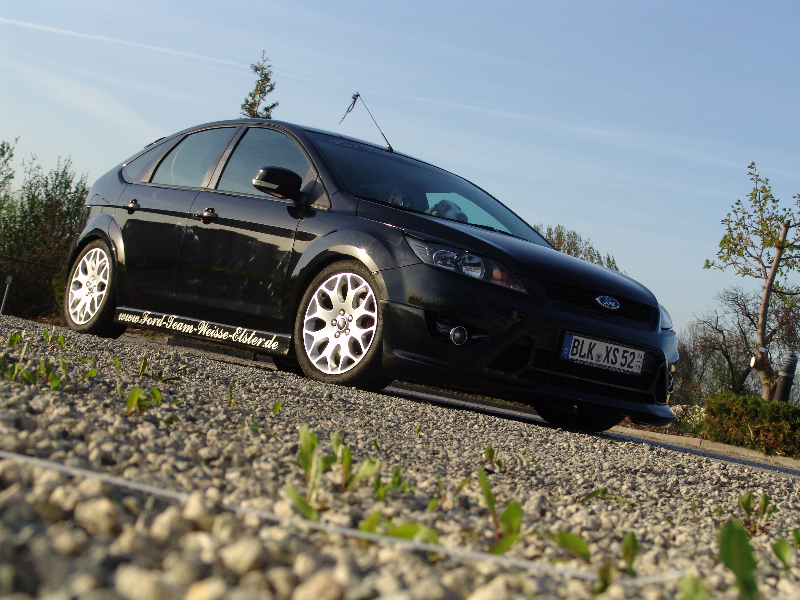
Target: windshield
[374,174]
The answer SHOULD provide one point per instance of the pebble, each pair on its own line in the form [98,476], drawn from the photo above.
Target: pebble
[169,525]
[134,583]
[320,586]
[244,555]
[494,590]
[304,565]
[282,581]
[199,510]
[98,516]
[213,588]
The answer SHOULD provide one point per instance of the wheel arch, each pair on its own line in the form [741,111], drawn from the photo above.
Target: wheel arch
[379,248]
[303,278]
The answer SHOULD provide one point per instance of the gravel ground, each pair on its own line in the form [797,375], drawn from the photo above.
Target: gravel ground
[69,537]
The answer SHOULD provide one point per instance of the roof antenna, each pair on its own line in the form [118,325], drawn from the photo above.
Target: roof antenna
[356,96]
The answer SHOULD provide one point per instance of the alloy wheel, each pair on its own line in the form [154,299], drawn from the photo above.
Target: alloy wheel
[340,323]
[88,286]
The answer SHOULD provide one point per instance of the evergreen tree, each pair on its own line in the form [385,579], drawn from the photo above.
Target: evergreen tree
[264,86]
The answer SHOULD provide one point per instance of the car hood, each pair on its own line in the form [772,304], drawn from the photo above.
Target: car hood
[528,259]
[524,258]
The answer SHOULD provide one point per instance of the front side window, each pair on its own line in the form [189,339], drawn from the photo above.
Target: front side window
[261,148]
[188,162]
[374,174]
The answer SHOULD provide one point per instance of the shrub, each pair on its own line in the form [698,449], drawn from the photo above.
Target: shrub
[751,422]
[37,224]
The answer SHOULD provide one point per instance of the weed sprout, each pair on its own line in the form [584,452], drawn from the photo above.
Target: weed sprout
[493,456]
[407,531]
[736,554]
[137,402]
[693,588]
[630,548]
[506,525]
[231,400]
[574,545]
[783,551]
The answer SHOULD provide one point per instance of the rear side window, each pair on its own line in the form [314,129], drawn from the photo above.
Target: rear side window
[261,148]
[133,171]
[188,163]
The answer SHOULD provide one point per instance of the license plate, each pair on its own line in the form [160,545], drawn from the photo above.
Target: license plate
[602,354]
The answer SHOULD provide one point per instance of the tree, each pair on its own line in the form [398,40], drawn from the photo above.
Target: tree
[569,242]
[757,244]
[698,371]
[6,171]
[264,87]
[37,225]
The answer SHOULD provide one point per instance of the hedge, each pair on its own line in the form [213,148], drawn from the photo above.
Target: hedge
[750,422]
[37,224]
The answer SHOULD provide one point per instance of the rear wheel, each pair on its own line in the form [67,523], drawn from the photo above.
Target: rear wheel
[89,300]
[578,417]
[338,333]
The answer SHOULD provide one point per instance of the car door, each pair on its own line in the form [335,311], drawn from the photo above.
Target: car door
[152,218]
[233,265]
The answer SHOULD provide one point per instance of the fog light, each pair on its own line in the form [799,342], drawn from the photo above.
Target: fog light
[459,335]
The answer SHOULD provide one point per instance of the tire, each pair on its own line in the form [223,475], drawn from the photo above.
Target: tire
[90,295]
[338,333]
[578,417]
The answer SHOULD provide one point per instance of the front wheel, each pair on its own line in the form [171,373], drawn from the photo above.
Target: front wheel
[578,417]
[338,333]
[89,300]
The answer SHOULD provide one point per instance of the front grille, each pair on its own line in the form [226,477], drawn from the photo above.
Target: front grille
[536,357]
[585,298]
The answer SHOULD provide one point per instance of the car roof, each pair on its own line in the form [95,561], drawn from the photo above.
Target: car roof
[293,127]
[286,125]
[302,130]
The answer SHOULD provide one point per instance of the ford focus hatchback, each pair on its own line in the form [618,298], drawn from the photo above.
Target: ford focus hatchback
[357,265]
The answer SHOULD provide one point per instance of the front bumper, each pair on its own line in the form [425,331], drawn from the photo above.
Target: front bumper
[514,345]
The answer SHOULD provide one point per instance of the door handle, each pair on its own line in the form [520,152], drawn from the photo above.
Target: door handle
[207,215]
[132,206]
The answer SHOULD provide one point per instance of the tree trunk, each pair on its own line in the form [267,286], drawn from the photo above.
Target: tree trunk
[761,363]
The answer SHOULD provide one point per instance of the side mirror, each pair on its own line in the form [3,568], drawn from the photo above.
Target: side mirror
[282,183]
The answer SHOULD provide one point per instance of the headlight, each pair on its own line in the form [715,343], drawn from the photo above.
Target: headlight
[666,320]
[466,263]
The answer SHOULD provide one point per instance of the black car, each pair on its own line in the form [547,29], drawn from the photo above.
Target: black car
[358,265]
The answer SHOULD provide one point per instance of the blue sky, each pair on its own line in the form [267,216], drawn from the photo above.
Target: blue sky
[630,122]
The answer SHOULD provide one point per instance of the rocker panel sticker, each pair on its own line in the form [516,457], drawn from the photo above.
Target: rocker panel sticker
[252,339]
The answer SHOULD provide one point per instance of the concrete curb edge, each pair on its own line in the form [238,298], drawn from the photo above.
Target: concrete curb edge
[693,442]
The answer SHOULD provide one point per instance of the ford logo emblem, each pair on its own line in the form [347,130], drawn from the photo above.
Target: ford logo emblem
[608,302]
